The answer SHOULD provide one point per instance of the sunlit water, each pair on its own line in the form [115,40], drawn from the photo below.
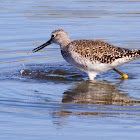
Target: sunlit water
[42,96]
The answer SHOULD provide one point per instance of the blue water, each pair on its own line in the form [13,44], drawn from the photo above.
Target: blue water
[44,97]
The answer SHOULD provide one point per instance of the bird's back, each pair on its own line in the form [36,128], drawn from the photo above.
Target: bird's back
[96,50]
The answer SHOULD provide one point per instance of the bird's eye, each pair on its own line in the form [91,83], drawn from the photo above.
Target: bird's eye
[52,36]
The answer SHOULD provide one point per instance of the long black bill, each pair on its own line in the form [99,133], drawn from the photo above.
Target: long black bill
[42,46]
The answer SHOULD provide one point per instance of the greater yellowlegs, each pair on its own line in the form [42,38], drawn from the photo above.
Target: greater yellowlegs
[91,56]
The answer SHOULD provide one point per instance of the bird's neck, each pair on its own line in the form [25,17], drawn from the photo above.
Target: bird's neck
[64,44]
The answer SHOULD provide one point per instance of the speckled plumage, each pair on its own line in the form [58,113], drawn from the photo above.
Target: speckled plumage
[96,50]
[90,56]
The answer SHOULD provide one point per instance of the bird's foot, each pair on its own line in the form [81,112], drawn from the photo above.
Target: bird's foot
[122,74]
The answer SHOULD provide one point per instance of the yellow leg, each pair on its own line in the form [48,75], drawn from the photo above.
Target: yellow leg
[122,74]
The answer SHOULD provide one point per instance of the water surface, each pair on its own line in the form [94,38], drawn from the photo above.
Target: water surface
[44,97]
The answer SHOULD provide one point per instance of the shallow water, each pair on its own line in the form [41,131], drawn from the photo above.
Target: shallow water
[42,96]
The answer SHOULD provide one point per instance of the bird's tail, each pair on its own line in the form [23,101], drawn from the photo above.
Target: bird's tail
[139,52]
[135,54]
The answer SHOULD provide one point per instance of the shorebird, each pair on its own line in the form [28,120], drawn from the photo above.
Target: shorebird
[91,56]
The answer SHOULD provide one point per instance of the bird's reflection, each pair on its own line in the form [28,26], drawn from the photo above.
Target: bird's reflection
[96,92]
[89,98]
